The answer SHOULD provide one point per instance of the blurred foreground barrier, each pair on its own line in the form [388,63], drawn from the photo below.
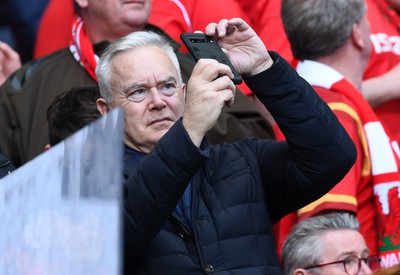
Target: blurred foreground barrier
[60,212]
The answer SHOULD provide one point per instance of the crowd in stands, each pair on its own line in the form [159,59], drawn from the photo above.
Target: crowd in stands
[348,51]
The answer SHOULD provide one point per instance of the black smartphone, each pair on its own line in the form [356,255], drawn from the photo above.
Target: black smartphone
[201,45]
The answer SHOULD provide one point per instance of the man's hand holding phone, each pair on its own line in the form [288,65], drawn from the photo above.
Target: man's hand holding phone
[245,49]
[201,46]
[206,93]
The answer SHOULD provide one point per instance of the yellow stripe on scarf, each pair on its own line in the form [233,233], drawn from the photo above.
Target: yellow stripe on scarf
[334,198]
[340,106]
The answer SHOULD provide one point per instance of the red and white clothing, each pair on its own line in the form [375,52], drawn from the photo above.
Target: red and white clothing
[82,49]
[385,37]
[370,189]
[178,16]
[173,16]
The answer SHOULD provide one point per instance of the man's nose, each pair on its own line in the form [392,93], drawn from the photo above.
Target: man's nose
[156,100]
[365,269]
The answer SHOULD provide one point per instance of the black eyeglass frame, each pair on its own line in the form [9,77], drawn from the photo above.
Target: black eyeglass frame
[367,261]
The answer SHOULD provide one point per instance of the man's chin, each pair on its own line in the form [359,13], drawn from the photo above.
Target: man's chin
[161,125]
[160,133]
[159,129]
[135,15]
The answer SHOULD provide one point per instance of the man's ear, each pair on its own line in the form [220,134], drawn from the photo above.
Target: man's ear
[102,106]
[356,36]
[82,3]
[184,90]
[47,147]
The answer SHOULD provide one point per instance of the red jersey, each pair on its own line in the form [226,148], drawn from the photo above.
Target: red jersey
[354,193]
[173,16]
[178,16]
[385,37]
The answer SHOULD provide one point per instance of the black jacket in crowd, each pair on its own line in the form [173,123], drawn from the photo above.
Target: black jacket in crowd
[237,190]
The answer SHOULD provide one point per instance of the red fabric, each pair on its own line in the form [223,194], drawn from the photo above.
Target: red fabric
[54,31]
[371,188]
[59,15]
[354,185]
[170,16]
[388,224]
[282,230]
[385,35]
[55,28]
[82,49]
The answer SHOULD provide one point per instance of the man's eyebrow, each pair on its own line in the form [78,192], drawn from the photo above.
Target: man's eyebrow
[133,86]
[140,85]
[365,251]
[168,79]
[351,253]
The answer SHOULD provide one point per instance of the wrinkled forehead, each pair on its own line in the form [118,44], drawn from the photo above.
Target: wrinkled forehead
[142,64]
[343,241]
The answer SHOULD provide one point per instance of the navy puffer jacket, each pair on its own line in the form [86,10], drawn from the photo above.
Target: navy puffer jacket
[238,190]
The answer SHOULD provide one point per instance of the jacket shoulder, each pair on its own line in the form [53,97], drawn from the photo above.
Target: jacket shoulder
[35,70]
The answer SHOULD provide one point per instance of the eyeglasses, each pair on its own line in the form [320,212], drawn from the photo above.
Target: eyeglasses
[167,88]
[352,264]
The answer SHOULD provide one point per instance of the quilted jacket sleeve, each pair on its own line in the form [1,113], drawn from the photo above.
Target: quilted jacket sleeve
[317,152]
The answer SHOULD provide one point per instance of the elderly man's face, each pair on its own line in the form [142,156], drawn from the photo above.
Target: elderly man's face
[339,245]
[116,18]
[145,84]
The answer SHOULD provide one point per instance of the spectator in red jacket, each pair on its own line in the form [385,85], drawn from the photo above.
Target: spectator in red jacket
[333,53]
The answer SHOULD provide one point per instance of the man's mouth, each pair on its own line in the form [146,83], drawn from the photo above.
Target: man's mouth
[161,120]
[127,2]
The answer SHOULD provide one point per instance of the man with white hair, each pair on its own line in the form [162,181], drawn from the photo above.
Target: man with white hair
[193,208]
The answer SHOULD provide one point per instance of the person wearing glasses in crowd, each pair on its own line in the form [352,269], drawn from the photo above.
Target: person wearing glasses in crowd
[26,94]
[327,244]
[182,195]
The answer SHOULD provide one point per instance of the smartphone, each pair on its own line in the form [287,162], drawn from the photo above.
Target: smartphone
[201,45]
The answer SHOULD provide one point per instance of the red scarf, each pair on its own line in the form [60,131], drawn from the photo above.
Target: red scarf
[82,49]
[383,152]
